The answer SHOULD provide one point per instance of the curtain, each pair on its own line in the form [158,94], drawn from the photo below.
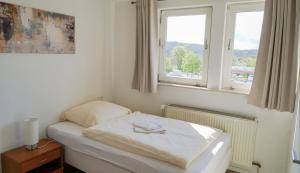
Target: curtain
[274,84]
[146,63]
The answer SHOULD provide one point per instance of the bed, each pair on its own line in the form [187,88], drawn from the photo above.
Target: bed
[95,157]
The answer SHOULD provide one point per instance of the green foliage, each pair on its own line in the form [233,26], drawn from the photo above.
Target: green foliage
[179,53]
[184,60]
[244,62]
[169,66]
[191,64]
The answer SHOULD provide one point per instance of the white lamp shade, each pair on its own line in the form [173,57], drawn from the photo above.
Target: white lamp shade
[31,131]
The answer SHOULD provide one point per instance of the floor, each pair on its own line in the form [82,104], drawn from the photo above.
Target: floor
[70,169]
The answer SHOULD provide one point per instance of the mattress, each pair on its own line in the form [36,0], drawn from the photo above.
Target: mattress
[70,135]
[179,145]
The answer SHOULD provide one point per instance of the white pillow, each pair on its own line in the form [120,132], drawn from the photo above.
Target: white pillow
[91,113]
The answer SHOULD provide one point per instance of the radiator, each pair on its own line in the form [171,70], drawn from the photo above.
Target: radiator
[242,130]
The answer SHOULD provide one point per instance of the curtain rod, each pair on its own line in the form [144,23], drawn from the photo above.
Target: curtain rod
[133,2]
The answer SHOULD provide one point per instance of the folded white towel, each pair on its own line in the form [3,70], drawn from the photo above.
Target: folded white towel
[147,125]
[141,130]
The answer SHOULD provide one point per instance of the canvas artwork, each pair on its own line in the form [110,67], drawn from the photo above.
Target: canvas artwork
[29,30]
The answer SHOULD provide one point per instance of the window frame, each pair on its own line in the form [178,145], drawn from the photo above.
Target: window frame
[164,14]
[232,10]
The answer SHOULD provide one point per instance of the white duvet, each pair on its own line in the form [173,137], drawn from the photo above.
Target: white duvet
[180,145]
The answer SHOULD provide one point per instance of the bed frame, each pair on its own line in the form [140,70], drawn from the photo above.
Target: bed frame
[90,164]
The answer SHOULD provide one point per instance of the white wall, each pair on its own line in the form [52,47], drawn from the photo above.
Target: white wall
[295,140]
[274,128]
[45,85]
[295,147]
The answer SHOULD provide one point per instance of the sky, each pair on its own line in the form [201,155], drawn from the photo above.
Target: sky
[248,30]
[191,29]
[185,29]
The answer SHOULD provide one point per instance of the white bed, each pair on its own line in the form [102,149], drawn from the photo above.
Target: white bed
[94,157]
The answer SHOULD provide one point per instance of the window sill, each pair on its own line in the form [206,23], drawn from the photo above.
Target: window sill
[230,91]
[235,91]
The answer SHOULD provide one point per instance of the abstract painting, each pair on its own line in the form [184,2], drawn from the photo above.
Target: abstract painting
[29,30]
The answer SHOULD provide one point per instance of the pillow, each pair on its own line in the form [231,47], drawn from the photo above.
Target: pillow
[91,113]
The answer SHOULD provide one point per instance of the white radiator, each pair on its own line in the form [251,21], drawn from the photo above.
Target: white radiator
[242,130]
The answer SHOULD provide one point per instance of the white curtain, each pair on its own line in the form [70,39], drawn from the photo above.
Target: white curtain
[274,85]
[146,64]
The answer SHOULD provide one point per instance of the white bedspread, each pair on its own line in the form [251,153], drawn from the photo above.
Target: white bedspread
[180,145]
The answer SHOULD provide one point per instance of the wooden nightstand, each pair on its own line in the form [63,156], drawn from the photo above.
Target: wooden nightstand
[48,159]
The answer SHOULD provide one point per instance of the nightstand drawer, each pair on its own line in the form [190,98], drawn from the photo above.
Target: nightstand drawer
[41,160]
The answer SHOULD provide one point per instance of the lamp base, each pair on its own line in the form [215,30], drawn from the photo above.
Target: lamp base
[32,147]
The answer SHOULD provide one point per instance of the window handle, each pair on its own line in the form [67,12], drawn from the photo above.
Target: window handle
[229,45]
[206,45]
[160,44]
[294,158]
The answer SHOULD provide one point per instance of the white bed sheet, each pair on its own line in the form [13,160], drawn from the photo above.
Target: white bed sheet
[70,135]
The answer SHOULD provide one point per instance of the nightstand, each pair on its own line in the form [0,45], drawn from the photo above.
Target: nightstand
[47,159]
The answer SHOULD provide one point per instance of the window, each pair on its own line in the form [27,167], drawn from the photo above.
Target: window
[244,23]
[184,45]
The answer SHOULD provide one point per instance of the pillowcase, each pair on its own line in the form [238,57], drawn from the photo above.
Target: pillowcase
[92,113]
